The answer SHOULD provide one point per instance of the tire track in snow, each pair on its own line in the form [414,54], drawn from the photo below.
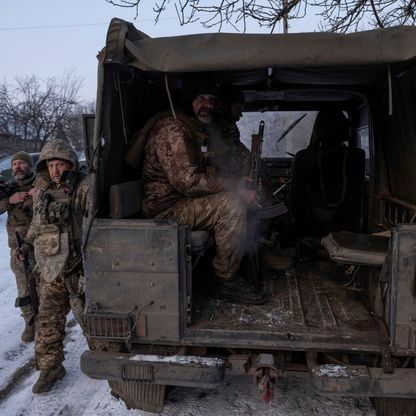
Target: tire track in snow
[18,376]
[25,370]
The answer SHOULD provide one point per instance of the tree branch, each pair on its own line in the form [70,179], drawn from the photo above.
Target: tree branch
[336,15]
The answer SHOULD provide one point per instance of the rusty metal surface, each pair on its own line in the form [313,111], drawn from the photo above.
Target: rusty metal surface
[132,268]
[359,380]
[308,307]
[177,370]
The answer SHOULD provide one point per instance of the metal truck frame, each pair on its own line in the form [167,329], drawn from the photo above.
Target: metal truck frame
[354,337]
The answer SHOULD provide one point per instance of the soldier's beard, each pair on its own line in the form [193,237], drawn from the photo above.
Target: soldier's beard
[19,176]
[205,120]
[204,115]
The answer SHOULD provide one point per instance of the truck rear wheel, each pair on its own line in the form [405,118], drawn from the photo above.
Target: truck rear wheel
[387,406]
[139,394]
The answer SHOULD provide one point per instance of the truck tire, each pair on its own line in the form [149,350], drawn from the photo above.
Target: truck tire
[139,395]
[388,406]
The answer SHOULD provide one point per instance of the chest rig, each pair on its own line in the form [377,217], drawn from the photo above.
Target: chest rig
[198,146]
[57,207]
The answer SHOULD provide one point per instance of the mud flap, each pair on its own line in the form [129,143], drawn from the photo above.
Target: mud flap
[139,395]
[387,406]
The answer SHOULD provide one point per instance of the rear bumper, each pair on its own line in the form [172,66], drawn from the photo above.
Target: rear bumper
[364,381]
[188,371]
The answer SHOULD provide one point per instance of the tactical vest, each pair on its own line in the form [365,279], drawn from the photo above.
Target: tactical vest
[58,237]
[21,214]
[198,147]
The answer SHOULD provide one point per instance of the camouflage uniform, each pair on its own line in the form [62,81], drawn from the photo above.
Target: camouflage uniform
[180,184]
[55,233]
[18,220]
[230,156]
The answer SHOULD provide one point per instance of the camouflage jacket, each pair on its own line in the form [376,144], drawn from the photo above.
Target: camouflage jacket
[19,216]
[175,165]
[56,228]
[230,156]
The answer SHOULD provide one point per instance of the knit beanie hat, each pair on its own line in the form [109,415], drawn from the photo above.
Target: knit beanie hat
[23,156]
[198,86]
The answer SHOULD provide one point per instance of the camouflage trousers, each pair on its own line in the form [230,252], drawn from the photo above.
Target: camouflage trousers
[22,284]
[56,300]
[223,213]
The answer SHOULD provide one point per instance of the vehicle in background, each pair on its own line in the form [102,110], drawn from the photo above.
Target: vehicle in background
[5,166]
[6,171]
[344,309]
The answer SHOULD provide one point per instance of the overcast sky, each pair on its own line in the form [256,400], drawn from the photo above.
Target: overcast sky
[53,37]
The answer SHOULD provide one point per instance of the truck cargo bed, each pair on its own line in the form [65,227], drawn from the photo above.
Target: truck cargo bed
[308,307]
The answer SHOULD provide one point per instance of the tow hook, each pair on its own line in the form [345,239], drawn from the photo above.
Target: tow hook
[265,375]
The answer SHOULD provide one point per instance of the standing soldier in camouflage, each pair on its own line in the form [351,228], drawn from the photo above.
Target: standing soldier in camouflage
[180,184]
[18,204]
[60,202]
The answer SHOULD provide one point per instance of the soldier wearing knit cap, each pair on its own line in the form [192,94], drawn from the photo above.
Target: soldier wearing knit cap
[23,156]
[180,184]
[18,204]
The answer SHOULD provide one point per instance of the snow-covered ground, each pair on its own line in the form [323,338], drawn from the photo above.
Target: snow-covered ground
[77,395]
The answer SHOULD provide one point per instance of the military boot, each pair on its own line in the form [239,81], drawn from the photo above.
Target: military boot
[28,334]
[237,290]
[48,378]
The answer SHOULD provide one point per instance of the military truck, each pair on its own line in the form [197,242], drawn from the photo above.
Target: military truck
[343,310]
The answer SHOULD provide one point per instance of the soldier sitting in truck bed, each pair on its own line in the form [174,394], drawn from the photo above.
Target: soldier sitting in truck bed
[179,184]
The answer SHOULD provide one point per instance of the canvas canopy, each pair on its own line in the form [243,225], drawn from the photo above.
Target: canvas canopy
[223,52]
[295,71]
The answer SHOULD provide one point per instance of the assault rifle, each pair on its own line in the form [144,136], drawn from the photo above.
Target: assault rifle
[256,148]
[258,212]
[261,212]
[32,298]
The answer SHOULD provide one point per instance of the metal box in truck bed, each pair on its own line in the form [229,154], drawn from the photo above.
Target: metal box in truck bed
[138,273]
[342,310]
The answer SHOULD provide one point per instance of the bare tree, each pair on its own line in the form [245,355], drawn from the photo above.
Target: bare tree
[336,15]
[38,110]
